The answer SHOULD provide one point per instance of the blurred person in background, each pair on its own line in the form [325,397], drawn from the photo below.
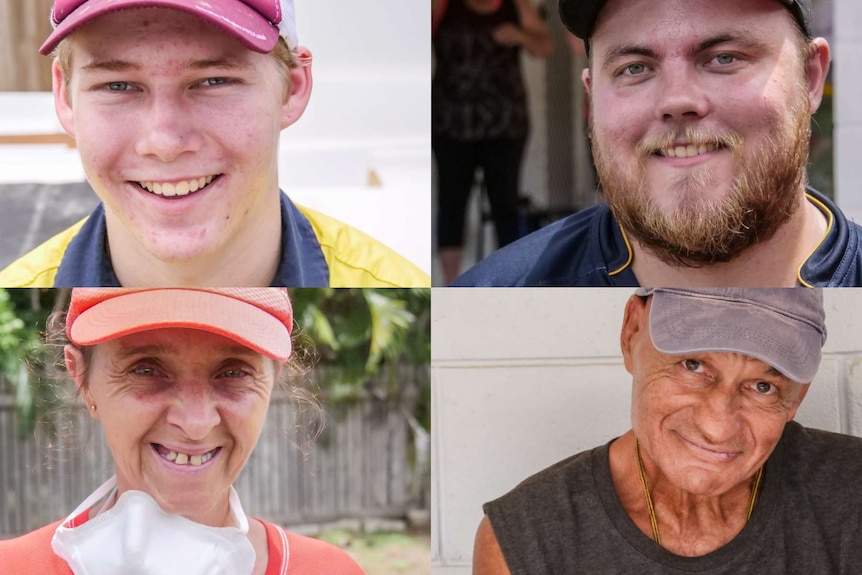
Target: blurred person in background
[180,380]
[479,113]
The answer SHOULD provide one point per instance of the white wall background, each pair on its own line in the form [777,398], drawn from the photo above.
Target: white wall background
[847,58]
[522,378]
[370,111]
[369,114]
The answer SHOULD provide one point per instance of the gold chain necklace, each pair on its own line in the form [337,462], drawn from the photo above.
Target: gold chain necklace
[652,518]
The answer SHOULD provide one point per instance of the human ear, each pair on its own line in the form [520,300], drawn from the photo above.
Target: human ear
[633,319]
[817,68]
[300,89]
[76,367]
[62,102]
[585,77]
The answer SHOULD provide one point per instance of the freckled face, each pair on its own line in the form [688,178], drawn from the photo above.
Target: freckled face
[160,97]
[699,122]
[708,420]
[187,391]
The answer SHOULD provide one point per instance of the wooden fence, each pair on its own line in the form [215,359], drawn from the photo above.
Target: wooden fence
[359,467]
[24,25]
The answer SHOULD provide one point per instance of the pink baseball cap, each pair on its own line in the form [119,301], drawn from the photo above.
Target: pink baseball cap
[258,318]
[255,23]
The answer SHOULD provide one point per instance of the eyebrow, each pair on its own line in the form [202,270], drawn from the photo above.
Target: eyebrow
[774,372]
[115,65]
[227,63]
[112,65]
[743,37]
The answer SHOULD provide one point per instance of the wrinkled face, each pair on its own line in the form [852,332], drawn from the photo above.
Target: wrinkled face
[699,122]
[177,126]
[182,410]
[708,421]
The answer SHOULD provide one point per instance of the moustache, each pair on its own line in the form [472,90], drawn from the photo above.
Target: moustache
[691,135]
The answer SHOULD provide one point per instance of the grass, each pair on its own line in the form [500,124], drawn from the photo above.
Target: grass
[385,553]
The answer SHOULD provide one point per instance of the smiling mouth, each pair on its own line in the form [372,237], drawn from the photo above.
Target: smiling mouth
[688,151]
[184,458]
[178,189]
[726,455]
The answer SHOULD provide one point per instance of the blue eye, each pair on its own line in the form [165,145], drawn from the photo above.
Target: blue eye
[215,82]
[635,69]
[118,86]
[725,59]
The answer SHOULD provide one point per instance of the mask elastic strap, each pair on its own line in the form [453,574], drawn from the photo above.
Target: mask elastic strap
[98,494]
[238,513]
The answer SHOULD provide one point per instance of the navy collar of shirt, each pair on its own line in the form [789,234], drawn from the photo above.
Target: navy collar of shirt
[590,249]
[86,261]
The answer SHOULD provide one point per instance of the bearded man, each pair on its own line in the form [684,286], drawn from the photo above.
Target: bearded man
[700,126]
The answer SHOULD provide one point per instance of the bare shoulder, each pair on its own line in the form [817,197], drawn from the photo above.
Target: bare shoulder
[487,556]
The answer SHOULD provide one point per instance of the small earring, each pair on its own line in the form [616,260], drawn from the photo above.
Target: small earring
[93,407]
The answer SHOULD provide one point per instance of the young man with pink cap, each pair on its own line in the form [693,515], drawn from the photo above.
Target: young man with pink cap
[180,381]
[176,107]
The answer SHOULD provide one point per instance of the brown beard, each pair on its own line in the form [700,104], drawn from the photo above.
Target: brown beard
[763,197]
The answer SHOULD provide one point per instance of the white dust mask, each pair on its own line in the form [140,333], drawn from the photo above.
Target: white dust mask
[136,537]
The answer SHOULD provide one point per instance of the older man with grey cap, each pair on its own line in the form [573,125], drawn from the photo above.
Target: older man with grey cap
[700,121]
[714,476]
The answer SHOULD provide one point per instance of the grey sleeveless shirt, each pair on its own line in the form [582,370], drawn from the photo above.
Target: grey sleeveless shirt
[568,519]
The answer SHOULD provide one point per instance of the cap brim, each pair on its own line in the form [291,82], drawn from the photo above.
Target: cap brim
[147,310]
[236,19]
[682,324]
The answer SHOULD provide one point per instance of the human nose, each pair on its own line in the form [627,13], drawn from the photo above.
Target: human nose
[167,129]
[194,411]
[682,96]
[718,417]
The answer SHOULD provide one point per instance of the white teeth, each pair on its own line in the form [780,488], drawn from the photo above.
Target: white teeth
[168,189]
[172,456]
[182,459]
[688,151]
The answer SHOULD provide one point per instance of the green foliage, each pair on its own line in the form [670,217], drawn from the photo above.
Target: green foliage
[23,313]
[363,336]
[13,338]
[360,330]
